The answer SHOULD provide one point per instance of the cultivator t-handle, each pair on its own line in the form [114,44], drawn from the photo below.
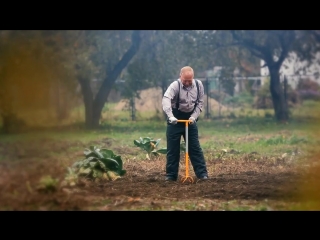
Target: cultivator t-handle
[187,177]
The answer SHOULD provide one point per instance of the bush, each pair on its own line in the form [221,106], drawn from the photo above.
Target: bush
[239,100]
[309,95]
[98,164]
[11,123]
[218,95]
[308,90]
[308,84]
[263,99]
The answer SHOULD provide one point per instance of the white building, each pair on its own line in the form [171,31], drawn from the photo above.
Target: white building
[295,70]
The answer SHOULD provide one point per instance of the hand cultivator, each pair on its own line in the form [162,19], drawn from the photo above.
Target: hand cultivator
[187,177]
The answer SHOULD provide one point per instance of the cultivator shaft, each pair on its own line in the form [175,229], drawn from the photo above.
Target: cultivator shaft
[187,178]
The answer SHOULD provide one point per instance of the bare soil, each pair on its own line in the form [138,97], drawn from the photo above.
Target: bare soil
[233,183]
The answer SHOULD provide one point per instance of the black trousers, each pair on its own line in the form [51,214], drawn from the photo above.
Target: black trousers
[174,133]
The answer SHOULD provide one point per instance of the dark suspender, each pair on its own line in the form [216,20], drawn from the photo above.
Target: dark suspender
[178,97]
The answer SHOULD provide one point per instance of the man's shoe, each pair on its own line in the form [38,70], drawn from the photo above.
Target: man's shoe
[169,179]
[204,178]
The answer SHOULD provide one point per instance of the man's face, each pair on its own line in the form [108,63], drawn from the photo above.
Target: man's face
[186,78]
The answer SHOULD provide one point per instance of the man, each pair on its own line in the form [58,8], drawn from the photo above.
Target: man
[183,101]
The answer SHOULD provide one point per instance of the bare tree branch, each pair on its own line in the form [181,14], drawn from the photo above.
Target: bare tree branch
[316,34]
[258,51]
[285,42]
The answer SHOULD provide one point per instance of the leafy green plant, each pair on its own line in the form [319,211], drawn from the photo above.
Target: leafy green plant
[47,184]
[150,146]
[97,164]
[71,178]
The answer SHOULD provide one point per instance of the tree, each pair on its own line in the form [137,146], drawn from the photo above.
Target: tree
[89,55]
[100,55]
[272,46]
[165,52]
[159,61]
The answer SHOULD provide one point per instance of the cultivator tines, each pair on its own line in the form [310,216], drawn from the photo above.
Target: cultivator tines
[184,179]
[187,178]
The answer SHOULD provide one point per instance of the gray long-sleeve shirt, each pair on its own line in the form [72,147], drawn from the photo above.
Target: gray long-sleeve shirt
[188,97]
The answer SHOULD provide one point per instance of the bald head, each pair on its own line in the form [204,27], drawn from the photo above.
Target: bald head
[186,76]
[186,70]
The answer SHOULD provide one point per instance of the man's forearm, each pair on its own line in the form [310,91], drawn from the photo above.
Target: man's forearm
[166,106]
[196,113]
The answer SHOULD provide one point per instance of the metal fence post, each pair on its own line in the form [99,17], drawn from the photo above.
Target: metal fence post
[208,91]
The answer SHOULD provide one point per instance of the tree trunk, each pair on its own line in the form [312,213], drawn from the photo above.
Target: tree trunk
[88,100]
[278,99]
[108,82]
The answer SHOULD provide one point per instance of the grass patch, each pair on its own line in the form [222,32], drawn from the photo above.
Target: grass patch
[276,140]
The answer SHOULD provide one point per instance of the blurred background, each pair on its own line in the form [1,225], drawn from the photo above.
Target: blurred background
[87,78]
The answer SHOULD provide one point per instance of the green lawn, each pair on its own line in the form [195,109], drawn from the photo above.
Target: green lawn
[243,134]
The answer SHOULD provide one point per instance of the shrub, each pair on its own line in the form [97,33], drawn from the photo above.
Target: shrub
[263,99]
[97,164]
[308,90]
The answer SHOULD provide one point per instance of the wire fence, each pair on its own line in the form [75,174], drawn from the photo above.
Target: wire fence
[241,103]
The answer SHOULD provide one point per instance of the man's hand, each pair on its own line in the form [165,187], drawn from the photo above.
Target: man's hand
[192,120]
[173,120]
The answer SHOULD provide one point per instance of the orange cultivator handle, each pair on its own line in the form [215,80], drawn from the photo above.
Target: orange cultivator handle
[187,177]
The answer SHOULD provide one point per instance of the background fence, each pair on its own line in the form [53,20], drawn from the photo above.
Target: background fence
[218,103]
